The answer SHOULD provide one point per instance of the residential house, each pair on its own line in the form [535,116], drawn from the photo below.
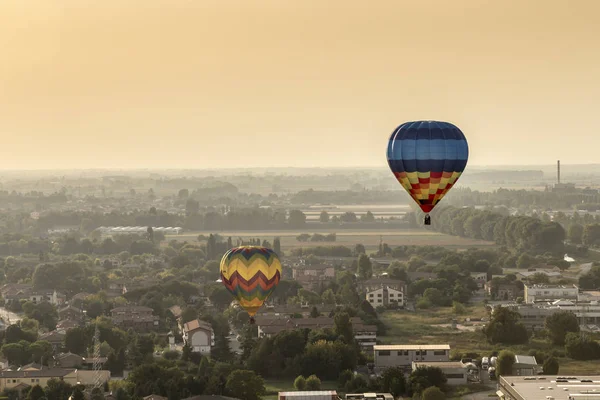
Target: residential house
[399,355]
[418,275]
[78,299]
[311,276]
[116,288]
[66,324]
[3,363]
[504,291]
[536,293]
[381,282]
[51,296]
[15,292]
[385,297]
[455,371]
[72,313]
[55,338]
[25,379]
[138,318]
[526,275]
[68,360]
[199,336]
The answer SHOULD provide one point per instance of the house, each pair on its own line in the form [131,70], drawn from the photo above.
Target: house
[55,338]
[455,371]
[381,282]
[525,275]
[66,324]
[535,293]
[31,367]
[3,363]
[78,299]
[503,290]
[525,366]
[199,336]
[15,292]
[68,360]
[176,311]
[72,313]
[311,276]
[51,296]
[385,297]
[116,288]
[138,318]
[15,379]
[399,355]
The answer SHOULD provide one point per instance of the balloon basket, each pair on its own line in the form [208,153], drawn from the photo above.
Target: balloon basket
[252,321]
[427,220]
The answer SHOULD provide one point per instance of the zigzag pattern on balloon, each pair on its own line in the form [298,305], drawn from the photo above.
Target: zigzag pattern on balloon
[259,286]
[247,271]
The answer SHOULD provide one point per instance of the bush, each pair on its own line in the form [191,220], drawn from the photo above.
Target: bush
[551,366]
[300,383]
[313,383]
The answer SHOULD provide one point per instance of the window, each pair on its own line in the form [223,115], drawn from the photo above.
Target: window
[439,352]
[384,353]
[378,294]
[370,294]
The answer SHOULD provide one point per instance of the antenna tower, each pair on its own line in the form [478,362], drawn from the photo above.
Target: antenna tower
[96,366]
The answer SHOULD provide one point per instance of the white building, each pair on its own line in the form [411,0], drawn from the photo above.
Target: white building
[403,355]
[456,372]
[535,293]
[199,336]
[385,297]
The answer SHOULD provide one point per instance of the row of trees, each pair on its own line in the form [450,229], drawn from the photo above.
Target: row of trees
[522,233]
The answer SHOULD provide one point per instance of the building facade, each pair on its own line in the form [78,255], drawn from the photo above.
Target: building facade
[537,293]
[199,336]
[399,355]
[385,297]
[455,372]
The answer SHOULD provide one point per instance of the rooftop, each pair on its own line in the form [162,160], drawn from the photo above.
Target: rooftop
[558,387]
[545,286]
[412,347]
[439,364]
[196,324]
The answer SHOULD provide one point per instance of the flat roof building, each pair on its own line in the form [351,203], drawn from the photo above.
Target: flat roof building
[549,387]
[403,355]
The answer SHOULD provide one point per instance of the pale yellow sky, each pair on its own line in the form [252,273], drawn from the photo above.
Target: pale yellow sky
[218,83]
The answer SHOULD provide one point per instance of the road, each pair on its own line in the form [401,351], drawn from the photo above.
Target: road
[9,317]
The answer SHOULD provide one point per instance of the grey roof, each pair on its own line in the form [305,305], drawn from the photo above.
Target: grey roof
[528,360]
[50,372]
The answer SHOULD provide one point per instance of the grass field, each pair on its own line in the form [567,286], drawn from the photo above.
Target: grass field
[369,238]
[406,327]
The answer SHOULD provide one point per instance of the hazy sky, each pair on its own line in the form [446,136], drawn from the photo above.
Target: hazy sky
[211,83]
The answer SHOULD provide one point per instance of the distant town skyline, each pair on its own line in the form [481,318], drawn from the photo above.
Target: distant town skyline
[199,85]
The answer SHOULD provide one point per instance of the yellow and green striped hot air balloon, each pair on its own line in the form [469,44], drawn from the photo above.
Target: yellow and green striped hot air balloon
[250,273]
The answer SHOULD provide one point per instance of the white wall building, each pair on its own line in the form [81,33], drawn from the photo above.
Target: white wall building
[199,336]
[403,355]
[456,372]
[385,296]
[535,293]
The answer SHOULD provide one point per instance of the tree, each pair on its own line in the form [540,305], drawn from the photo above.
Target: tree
[504,327]
[365,269]
[575,233]
[505,362]
[314,312]
[300,383]
[433,393]
[581,347]
[36,393]
[324,217]
[343,327]
[424,377]
[393,381]
[551,366]
[313,383]
[297,218]
[559,324]
[277,246]
[244,384]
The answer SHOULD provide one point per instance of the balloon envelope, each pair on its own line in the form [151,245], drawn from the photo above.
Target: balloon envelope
[427,158]
[250,273]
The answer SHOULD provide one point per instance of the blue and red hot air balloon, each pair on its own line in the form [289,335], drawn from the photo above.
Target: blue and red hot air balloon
[427,158]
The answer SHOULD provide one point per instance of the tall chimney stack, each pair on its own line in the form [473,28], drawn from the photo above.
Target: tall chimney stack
[558,170]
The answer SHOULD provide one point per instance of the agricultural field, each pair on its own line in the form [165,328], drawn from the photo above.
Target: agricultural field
[369,238]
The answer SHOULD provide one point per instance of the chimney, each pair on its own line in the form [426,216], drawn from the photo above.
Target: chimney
[558,170]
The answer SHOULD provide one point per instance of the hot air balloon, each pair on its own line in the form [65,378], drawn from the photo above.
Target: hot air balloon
[427,158]
[250,273]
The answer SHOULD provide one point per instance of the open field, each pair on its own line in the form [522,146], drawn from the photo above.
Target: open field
[369,238]
[405,327]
